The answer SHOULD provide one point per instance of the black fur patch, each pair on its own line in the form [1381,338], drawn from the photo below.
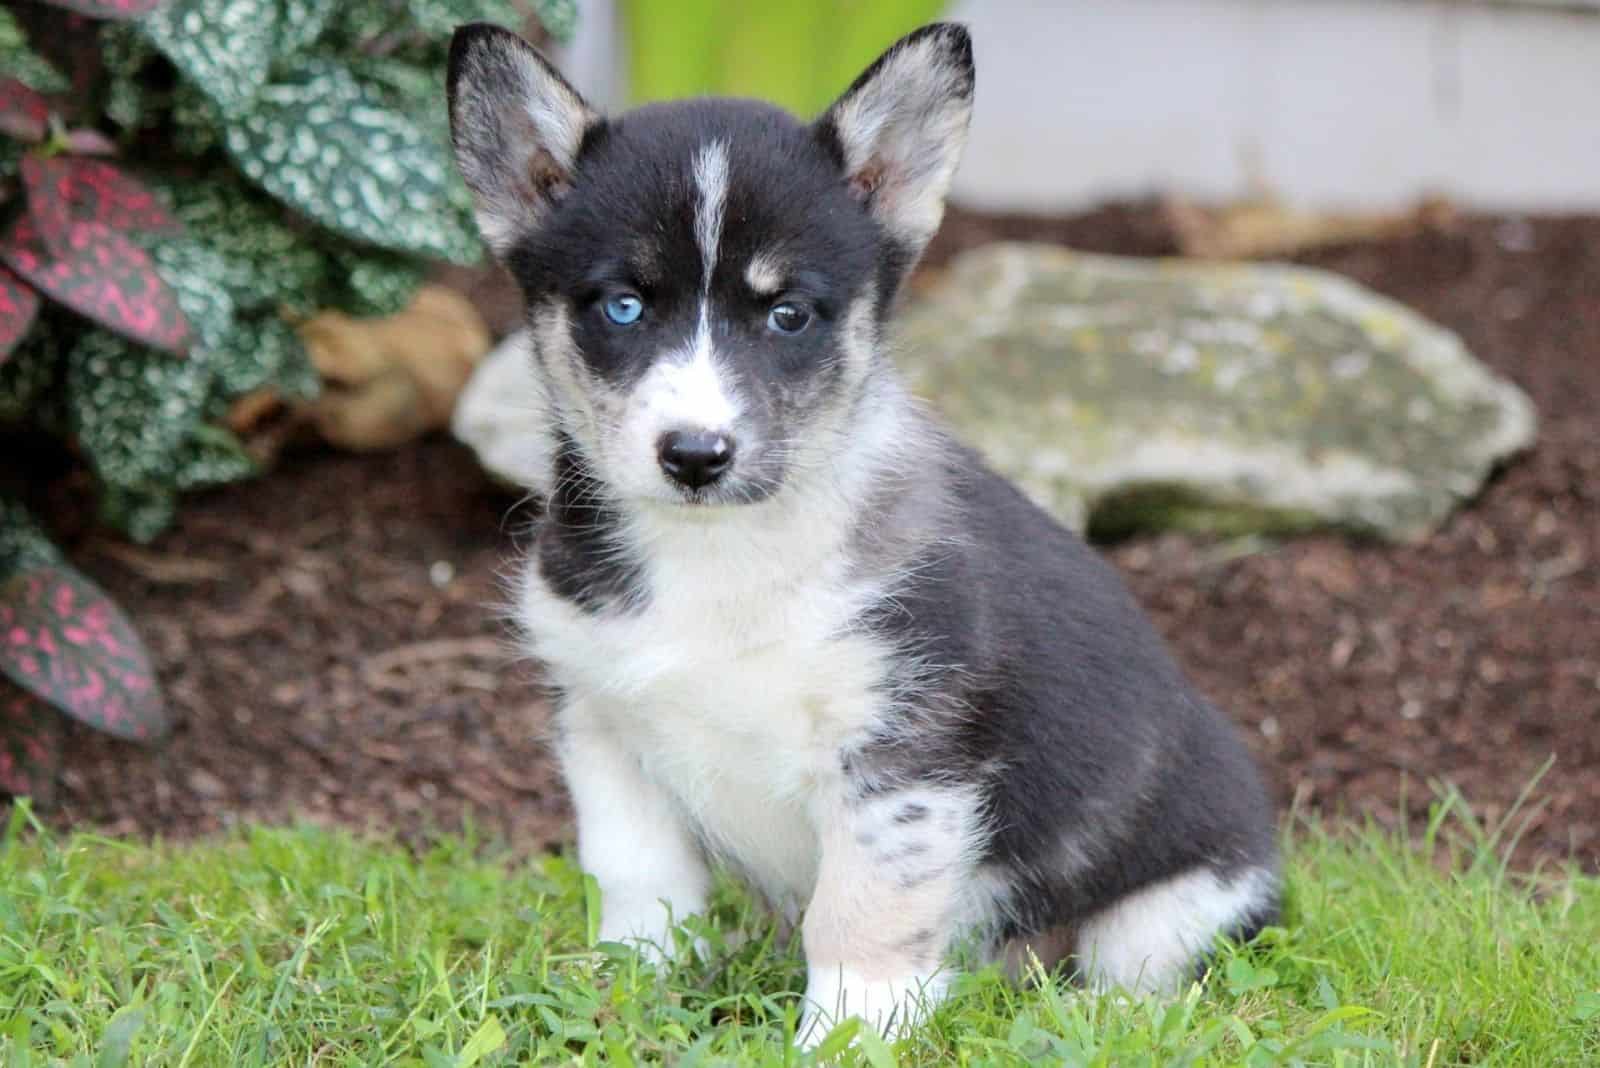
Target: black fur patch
[911,813]
[1103,770]
[579,556]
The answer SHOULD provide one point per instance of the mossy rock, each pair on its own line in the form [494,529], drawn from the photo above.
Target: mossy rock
[1128,394]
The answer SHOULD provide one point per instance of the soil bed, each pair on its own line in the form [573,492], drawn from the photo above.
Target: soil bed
[331,639]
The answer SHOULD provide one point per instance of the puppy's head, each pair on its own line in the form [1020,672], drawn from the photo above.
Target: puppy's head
[706,279]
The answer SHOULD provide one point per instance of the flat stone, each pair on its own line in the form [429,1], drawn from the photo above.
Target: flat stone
[1127,394]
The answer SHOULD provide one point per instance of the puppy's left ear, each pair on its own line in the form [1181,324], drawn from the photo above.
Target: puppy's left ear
[518,127]
[899,130]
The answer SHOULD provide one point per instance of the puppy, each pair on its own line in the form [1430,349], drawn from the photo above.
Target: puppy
[792,626]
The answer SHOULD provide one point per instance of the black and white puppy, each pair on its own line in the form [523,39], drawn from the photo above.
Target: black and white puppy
[793,627]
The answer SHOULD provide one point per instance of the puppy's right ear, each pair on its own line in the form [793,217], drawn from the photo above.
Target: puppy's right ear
[517,127]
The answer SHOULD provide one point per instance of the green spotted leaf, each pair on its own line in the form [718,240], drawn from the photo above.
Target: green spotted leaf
[439,18]
[559,17]
[225,47]
[407,86]
[211,456]
[264,351]
[207,456]
[411,87]
[266,262]
[126,54]
[197,121]
[141,512]
[324,143]
[359,24]
[29,372]
[23,63]
[23,543]
[108,9]
[295,376]
[303,22]
[376,284]
[130,407]
[195,273]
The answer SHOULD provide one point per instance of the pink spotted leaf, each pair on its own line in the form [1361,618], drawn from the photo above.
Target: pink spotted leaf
[63,190]
[84,141]
[19,304]
[101,275]
[30,744]
[63,640]
[24,113]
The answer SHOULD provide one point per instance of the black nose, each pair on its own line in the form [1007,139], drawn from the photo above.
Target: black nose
[695,459]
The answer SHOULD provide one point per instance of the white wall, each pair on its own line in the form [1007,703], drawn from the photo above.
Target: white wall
[1327,102]
[1332,102]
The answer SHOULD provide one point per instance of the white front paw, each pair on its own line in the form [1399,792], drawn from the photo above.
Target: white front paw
[891,1007]
[645,924]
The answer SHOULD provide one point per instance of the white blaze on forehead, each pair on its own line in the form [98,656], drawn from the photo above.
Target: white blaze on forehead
[688,393]
[684,390]
[711,188]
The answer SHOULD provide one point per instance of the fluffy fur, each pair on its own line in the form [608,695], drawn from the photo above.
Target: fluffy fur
[859,668]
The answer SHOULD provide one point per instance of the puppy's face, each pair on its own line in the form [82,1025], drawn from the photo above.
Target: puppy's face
[704,299]
[706,279]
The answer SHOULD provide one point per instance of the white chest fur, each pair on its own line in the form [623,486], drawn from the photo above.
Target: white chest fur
[734,687]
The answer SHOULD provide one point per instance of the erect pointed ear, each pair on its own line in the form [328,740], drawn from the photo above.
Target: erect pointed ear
[899,130]
[517,127]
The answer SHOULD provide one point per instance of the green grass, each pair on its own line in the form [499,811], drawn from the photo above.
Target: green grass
[304,946]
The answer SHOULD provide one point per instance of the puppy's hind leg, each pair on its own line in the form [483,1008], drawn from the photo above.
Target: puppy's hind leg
[886,905]
[1153,940]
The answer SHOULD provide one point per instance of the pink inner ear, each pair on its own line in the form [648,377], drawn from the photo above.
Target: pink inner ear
[547,178]
[866,181]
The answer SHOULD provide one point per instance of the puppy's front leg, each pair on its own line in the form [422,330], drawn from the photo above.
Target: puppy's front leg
[631,839]
[885,907]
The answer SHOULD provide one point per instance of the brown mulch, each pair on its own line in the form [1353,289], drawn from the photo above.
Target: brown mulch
[330,638]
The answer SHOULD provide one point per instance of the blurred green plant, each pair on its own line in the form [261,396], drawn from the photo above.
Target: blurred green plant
[798,55]
[180,180]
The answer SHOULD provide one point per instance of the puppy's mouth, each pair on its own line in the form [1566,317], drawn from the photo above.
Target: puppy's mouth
[725,494]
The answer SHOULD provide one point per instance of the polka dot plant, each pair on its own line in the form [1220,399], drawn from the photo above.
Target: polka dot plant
[302,146]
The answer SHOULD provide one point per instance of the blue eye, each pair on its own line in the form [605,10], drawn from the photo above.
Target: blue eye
[624,309]
[788,318]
